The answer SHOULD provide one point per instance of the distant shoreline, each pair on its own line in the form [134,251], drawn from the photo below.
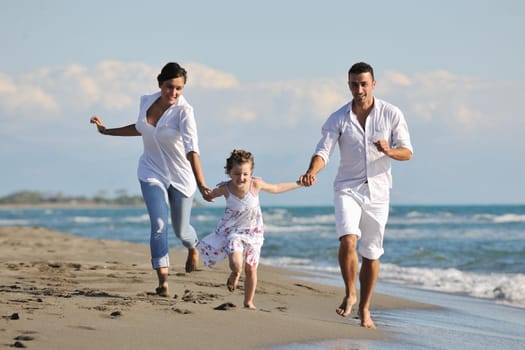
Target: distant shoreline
[77,205]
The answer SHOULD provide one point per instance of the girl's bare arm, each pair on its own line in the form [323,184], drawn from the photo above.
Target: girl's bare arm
[276,188]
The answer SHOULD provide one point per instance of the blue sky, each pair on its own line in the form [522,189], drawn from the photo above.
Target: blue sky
[264,76]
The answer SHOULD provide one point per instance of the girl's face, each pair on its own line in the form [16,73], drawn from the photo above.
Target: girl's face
[241,173]
[171,89]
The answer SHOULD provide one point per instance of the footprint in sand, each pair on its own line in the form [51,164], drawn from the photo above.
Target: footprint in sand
[115,314]
[18,341]
[182,312]
[225,307]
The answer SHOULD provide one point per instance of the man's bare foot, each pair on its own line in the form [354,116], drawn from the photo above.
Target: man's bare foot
[345,309]
[250,306]
[232,281]
[193,260]
[366,319]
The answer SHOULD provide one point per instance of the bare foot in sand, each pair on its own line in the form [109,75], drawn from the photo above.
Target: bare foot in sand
[345,308]
[193,260]
[250,306]
[232,281]
[162,291]
[366,319]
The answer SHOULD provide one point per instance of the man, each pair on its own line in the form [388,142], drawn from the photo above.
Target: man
[369,132]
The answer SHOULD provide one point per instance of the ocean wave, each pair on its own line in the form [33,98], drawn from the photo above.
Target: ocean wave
[316,219]
[508,218]
[136,219]
[271,228]
[15,222]
[503,288]
[445,217]
[276,214]
[90,219]
[205,217]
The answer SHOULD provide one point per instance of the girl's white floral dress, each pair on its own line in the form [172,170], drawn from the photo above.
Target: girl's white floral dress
[241,228]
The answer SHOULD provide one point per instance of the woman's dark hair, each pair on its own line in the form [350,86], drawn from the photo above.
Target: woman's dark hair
[171,70]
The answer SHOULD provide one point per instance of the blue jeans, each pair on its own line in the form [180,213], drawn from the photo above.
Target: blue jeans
[162,202]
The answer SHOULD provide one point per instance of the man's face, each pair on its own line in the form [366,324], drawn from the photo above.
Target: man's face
[361,86]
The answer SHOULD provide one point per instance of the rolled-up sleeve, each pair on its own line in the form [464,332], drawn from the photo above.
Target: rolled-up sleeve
[330,136]
[400,134]
[188,129]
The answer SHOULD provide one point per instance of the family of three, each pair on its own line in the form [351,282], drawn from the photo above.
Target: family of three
[369,133]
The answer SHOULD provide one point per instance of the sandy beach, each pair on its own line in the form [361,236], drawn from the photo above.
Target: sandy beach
[60,291]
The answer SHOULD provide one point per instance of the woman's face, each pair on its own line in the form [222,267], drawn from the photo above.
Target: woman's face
[171,89]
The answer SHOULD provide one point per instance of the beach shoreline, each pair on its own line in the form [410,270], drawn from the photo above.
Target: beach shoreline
[64,291]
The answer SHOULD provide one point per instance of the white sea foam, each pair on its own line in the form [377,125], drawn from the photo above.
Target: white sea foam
[502,288]
[508,218]
[136,219]
[90,219]
[316,219]
[275,214]
[286,261]
[204,218]
[269,228]
[444,217]
[15,222]
[301,264]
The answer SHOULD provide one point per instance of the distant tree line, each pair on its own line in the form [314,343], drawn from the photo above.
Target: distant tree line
[121,197]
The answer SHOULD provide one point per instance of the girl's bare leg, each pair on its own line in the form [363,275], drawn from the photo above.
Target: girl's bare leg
[250,284]
[235,259]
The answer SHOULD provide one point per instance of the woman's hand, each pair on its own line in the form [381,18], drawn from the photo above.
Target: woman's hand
[100,124]
[206,193]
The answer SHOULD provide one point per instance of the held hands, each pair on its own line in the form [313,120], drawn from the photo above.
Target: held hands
[206,193]
[308,179]
[100,125]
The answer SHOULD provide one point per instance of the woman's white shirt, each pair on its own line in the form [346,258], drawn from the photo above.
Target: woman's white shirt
[166,145]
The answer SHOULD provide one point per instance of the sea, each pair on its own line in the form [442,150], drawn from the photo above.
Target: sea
[468,259]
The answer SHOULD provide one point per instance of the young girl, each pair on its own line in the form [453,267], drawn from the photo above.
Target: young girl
[239,234]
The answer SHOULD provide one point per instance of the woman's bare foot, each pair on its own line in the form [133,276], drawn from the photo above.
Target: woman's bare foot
[193,260]
[162,291]
[366,319]
[345,309]
[232,281]
[162,275]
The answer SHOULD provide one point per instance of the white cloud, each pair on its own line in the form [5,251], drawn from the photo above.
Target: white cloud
[279,120]
[203,76]
[397,78]
[7,86]
[459,102]
[239,114]
[468,116]
[112,88]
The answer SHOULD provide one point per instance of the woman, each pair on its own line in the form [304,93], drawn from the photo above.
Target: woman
[169,170]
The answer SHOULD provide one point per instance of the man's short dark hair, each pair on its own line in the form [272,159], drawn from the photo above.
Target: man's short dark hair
[361,67]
